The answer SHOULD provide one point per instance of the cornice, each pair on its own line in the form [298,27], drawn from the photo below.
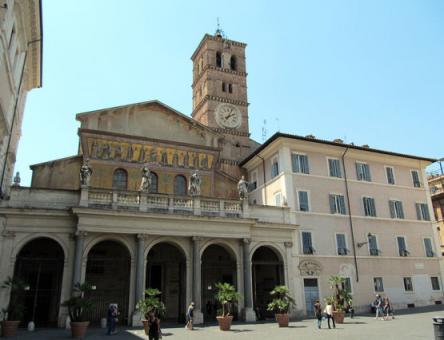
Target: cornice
[218,99]
[233,132]
[220,69]
[214,38]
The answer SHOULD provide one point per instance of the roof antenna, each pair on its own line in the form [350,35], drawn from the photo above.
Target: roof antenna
[219,32]
[264,131]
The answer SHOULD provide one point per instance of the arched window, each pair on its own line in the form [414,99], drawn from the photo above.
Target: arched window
[154,180]
[218,59]
[230,88]
[180,185]
[223,87]
[120,179]
[233,64]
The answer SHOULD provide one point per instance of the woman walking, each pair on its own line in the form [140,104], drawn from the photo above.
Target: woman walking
[329,314]
[318,313]
[189,316]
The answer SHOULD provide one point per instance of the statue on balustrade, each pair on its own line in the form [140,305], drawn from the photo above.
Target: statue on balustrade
[242,187]
[85,173]
[195,182]
[145,185]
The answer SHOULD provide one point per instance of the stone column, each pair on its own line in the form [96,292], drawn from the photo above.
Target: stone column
[250,315]
[77,270]
[197,281]
[140,271]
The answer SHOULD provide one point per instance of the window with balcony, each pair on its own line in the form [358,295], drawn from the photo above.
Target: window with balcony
[154,183]
[422,211]
[253,180]
[307,244]
[337,204]
[299,163]
[120,179]
[373,245]
[341,244]
[428,247]
[402,248]
[369,206]
[408,284]
[415,179]
[378,284]
[396,209]
[363,172]
[303,201]
[180,185]
[389,172]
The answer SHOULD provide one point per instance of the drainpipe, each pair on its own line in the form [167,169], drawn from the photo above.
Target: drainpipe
[349,214]
[265,182]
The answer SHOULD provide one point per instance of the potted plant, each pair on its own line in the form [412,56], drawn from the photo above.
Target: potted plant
[339,297]
[13,313]
[227,297]
[78,305]
[151,303]
[281,304]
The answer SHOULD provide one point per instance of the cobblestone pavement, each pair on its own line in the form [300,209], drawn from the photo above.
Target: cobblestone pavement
[407,326]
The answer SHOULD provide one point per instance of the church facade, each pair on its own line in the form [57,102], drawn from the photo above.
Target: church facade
[103,229]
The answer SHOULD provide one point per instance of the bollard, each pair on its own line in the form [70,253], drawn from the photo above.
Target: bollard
[438,328]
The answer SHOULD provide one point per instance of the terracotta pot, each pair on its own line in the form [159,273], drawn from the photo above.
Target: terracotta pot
[145,326]
[338,316]
[224,322]
[78,329]
[9,328]
[282,319]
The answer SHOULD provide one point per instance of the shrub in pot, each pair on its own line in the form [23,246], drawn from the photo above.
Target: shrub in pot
[78,305]
[339,298]
[280,304]
[150,304]
[227,297]
[13,313]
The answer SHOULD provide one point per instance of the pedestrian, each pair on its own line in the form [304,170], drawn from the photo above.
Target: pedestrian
[111,319]
[349,308]
[378,306]
[329,314]
[153,327]
[318,313]
[189,316]
[387,309]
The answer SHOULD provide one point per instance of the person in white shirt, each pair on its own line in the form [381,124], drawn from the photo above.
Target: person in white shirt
[329,314]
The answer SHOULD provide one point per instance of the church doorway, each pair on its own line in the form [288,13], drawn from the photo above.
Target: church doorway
[108,269]
[218,265]
[267,273]
[39,264]
[166,272]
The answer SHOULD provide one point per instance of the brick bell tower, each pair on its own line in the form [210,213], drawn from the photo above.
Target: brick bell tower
[220,95]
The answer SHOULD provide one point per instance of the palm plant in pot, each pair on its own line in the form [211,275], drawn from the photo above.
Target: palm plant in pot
[150,304]
[339,298]
[78,305]
[227,297]
[280,304]
[13,313]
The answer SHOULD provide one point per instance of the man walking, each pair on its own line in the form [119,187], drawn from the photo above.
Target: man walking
[329,314]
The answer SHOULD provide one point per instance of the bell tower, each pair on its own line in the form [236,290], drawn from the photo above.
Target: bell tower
[220,95]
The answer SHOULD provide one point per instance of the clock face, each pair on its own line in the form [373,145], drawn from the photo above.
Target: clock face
[228,116]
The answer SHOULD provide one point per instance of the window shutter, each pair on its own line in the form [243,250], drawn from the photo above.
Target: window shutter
[330,167]
[332,203]
[418,211]
[358,171]
[373,208]
[367,175]
[304,164]
[425,212]
[303,201]
[294,163]
[341,204]
[392,209]
[400,209]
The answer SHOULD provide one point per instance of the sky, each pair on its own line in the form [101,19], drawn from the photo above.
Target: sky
[368,72]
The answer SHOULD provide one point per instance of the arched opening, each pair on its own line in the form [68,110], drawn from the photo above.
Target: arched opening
[233,63]
[108,269]
[154,183]
[180,185]
[223,87]
[267,273]
[218,265]
[40,265]
[230,88]
[218,59]
[120,179]
[165,270]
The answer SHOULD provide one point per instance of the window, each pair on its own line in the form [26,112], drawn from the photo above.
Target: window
[428,247]
[341,244]
[408,285]
[154,183]
[422,211]
[120,179]
[303,201]
[379,285]
[369,206]
[337,204]
[307,245]
[253,181]
[230,88]
[346,285]
[218,59]
[390,175]
[233,63]
[415,179]
[402,248]
[180,185]
[435,283]
[363,172]
[396,210]
[299,163]
[334,168]
[274,167]
[223,87]
[373,245]
[277,199]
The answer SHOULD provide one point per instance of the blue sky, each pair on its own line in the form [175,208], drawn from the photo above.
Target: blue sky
[369,72]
